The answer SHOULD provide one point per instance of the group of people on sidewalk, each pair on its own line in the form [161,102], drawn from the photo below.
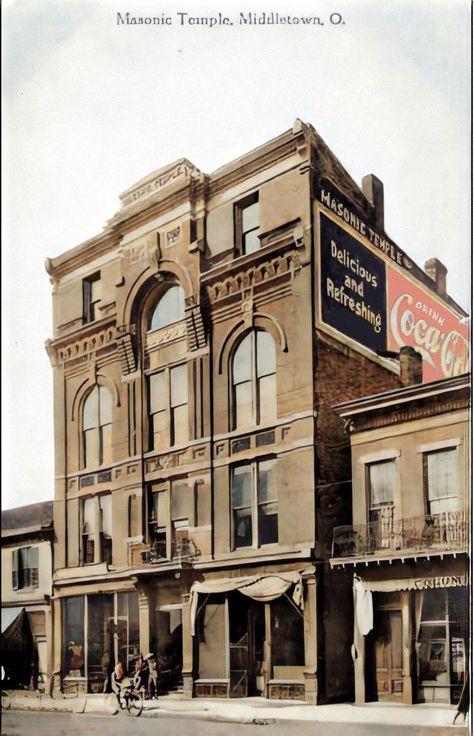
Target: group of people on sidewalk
[143,675]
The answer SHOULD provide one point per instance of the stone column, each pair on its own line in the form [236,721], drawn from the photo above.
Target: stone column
[406,647]
[358,655]
[188,644]
[56,649]
[144,619]
[311,641]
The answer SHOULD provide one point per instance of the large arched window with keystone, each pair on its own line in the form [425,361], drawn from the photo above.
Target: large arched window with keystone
[97,427]
[254,380]
[169,309]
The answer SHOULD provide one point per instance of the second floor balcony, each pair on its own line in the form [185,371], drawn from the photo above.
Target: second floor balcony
[163,553]
[436,534]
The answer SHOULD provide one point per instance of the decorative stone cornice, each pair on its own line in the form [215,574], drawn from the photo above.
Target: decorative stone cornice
[408,414]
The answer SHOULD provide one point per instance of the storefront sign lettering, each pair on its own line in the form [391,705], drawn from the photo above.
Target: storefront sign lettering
[447,581]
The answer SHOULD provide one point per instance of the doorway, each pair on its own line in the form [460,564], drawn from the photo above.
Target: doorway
[388,654]
[246,647]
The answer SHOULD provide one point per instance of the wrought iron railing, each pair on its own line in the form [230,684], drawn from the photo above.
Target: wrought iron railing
[158,553]
[443,532]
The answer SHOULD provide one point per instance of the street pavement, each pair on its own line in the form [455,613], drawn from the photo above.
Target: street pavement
[385,718]
[23,723]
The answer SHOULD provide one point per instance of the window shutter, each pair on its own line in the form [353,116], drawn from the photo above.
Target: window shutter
[15,585]
[33,564]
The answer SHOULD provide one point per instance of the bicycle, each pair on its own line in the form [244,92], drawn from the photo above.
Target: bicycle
[130,699]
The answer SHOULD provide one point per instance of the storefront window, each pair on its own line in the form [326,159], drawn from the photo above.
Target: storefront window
[128,628]
[100,639]
[287,634]
[442,633]
[73,636]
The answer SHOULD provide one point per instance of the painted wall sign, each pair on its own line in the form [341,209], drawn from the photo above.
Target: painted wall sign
[421,320]
[347,211]
[353,290]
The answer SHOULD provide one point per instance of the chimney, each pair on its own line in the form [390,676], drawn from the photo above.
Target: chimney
[411,366]
[373,191]
[437,271]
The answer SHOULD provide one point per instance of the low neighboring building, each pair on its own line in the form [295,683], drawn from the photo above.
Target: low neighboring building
[408,543]
[27,563]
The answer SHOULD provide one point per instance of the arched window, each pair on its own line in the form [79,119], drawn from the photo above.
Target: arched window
[169,309]
[97,427]
[254,380]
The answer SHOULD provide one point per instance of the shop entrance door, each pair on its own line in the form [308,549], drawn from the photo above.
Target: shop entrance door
[388,654]
[246,638]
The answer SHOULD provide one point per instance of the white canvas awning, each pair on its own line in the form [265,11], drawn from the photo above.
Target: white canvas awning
[263,588]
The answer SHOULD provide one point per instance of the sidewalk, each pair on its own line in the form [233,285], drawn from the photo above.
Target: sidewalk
[248,710]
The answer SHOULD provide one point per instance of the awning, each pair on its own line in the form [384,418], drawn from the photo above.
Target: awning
[262,588]
[9,615]
[419,583]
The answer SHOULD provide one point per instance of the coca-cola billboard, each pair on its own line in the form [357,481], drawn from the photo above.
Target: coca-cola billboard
[421,320]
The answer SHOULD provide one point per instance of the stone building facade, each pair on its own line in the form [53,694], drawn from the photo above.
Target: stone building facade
[198,349]
[409,540]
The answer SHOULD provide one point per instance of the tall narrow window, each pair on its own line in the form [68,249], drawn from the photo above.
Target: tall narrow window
[169,309]
[168,401]
[97,427]
[254,380]
[441,481]
[247,224]
[25,568]
[254,504]
[158,515]
[181,507]
[90,296]
[105,504]
[90,529]
[381,482]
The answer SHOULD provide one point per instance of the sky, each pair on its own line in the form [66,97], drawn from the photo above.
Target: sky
[91,105]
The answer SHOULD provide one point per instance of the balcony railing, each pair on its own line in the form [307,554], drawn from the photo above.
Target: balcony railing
[438,533]
[157,553]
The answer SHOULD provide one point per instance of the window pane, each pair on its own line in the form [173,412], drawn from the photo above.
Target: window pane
[105,405]
[242,363]
[106,444]
[91,447]
[179,385]
[243,404]
[160,430]
[243,528]
[105,503]
[266,362]
[442,480]
[268,523]
[381,482]
[158,507]
[267,489]
[73,635]
[242,486]
[251,242]
[91,521]
[250,217]
[287,634]
[33,557]
[267,399]
[180,500]
[169,309]
[158,392]
[180,424]
[91,410]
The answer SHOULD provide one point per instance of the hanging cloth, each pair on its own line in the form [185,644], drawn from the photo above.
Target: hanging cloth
[364,610]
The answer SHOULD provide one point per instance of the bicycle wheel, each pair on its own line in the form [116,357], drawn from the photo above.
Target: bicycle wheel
[135,704]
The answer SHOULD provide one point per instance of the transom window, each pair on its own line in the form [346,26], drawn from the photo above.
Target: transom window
[254,381]
[168,407]
[97,427]
[254,504]
[441,481]
[169,309]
